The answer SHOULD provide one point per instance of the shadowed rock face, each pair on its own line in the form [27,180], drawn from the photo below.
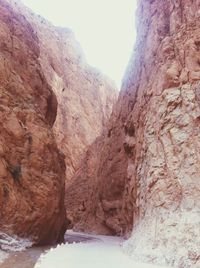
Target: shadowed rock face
[144,171]
[32,170]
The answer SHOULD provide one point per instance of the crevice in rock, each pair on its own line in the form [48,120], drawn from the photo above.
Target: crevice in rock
[51,110]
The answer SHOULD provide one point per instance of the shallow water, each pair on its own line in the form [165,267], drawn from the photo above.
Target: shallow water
[99,252]
[23,259]
[3,255]
[27,258]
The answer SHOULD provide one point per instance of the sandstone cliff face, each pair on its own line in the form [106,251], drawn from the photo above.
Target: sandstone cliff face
[47,91]
[32,170]
[85,96]
[146,173]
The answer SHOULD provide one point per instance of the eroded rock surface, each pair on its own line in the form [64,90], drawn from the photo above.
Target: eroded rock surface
[32,170]
[145,172]
[85,96]
[50,97]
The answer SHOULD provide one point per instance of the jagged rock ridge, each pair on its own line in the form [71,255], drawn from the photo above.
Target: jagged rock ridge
[146,170]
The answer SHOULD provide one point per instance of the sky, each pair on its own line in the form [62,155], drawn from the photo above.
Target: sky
[104,28]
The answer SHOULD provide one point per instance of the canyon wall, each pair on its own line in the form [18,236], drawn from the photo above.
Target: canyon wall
[143,172]
[32,170]
[52,106]
[85,96]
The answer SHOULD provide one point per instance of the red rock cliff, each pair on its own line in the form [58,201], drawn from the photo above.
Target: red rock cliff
[32,170]
[145,173]
[47,90]
[85,96]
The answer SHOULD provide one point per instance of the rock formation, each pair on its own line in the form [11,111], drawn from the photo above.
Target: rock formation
[85,96]
[144,170]
[32,170]
[49,98]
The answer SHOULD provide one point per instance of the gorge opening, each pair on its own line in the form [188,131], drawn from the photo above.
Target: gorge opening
[105,29]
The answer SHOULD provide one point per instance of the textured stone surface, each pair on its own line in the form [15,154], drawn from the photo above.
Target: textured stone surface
[85,96]
[145,172]
[32,170]
[47,91]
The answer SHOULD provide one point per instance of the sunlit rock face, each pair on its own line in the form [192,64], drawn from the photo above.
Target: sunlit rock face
[32,170]
[85,96]
[145,168]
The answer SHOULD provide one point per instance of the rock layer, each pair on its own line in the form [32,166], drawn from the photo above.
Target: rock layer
[32,170]
[145,173]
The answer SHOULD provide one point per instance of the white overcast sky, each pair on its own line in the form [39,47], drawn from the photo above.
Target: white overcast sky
[104,28]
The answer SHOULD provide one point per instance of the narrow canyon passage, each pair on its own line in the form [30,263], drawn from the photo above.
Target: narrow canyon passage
[76,154]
